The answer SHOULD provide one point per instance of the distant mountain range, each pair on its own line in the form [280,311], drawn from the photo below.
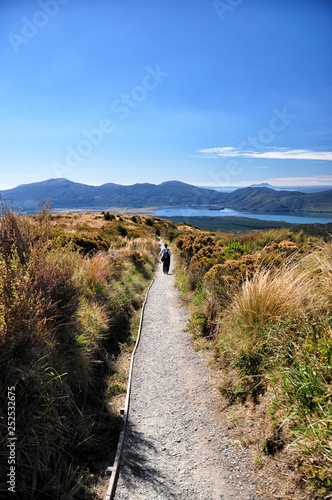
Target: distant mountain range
[65,194]
[303,189]
[263,199]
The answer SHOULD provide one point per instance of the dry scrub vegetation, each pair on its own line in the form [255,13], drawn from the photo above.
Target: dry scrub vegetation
[261,304]
[71,287]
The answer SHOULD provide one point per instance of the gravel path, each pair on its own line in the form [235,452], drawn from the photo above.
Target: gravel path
[174,446]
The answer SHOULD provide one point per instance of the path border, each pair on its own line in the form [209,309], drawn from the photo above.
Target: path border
[114,469]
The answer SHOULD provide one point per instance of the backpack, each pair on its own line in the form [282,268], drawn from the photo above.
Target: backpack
[165,255]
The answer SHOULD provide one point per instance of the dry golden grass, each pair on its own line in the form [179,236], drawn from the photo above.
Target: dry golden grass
[73,220]
[271,294]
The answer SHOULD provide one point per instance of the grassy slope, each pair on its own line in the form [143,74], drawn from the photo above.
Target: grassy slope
[71,289]
[261,305]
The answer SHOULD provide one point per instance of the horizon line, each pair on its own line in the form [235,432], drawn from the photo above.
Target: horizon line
[291,182]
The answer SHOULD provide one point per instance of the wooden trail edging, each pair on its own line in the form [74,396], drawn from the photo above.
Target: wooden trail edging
[114,469]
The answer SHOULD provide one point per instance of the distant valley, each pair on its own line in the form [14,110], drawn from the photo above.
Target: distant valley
[65,194]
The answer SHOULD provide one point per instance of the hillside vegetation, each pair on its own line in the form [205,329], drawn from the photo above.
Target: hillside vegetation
[261,305]
[71,287]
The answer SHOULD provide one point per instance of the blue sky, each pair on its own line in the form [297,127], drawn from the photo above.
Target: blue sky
[214,93]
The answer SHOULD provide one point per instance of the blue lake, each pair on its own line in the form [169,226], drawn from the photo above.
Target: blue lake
[306,218]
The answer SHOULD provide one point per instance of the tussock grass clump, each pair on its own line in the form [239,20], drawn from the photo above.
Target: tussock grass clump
[272,294]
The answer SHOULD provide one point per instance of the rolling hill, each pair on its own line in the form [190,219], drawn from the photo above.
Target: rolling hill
[264,199]
[65,194]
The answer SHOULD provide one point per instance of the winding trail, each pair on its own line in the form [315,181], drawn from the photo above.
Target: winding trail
[174,445]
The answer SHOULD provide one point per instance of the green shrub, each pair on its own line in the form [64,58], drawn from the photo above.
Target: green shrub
[108,216]
[235,249]
[122,230]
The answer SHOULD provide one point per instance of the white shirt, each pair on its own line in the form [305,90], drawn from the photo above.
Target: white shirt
[165,250]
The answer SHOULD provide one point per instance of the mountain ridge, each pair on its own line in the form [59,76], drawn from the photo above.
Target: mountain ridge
[265,199]
[63,193]
[66,194]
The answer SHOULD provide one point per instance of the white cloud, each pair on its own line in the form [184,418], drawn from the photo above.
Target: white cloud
[272,154]
[319,180]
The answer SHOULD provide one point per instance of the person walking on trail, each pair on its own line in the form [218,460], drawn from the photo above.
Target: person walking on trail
[165,255]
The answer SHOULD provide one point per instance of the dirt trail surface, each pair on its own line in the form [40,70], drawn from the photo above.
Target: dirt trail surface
[174,446]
